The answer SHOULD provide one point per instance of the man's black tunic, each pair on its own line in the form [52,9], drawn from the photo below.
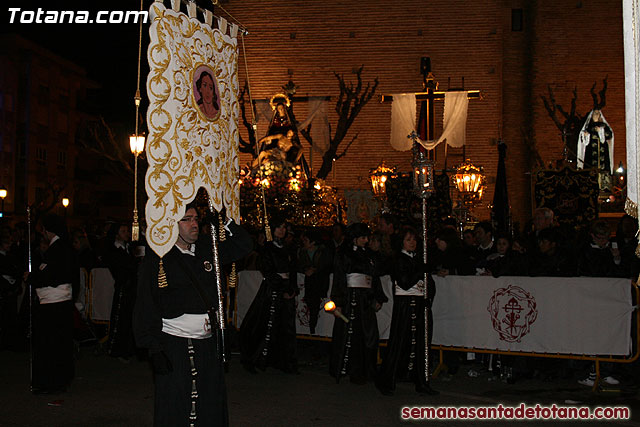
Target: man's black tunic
[171,355]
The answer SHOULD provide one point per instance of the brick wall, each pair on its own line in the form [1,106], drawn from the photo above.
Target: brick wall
[313,39]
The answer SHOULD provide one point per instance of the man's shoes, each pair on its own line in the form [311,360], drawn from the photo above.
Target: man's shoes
[291,370]
[48,390]
[426,389]
[610,381]
[249,368]
[384,390]
[589,382]
[358,380]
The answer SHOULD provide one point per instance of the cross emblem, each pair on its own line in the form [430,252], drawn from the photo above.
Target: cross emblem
[513,309]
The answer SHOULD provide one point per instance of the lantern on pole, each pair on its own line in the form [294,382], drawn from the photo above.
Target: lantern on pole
[470,182]
[379,177]
[423,185]
[136,143]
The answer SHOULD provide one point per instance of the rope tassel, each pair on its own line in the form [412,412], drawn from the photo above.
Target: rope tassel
[162,276]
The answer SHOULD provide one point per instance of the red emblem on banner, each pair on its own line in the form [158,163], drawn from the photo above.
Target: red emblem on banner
[513,311]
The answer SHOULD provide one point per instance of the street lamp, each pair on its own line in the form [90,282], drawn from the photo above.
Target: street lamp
[3,194]
[137,146]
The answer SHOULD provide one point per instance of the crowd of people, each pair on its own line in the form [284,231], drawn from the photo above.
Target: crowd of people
[168,303]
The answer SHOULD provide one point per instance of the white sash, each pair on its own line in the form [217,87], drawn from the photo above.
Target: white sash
[188,326]
[358,280]
[50,294]
[414,291]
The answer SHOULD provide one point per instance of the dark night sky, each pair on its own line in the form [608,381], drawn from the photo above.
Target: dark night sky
[108,52]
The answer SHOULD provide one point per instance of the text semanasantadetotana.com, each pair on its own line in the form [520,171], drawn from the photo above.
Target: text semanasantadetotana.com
[521,412]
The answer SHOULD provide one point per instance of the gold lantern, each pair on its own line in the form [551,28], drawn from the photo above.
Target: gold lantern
[379,177]
[470,182]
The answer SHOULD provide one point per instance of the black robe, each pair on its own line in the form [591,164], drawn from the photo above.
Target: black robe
[53,365]
[406,351]
[204,376]
[9,290]
[598,262]
[355,344]
[123,268]
[268,331]
[316,285]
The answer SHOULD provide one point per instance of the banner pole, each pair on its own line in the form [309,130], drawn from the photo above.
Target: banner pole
[29,269]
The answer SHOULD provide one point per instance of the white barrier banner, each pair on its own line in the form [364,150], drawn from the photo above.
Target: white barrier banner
[574,315]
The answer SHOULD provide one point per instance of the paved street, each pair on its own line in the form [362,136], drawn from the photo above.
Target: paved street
[107,392]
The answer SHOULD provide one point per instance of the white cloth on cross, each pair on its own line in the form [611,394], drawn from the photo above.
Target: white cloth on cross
[403,121]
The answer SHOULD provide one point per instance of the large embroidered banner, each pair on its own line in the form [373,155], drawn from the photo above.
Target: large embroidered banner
[631,32]
[192,120]
[576,315]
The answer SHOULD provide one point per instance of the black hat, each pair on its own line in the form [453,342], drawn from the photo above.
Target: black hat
[276,221]
[359,229]
[55,224]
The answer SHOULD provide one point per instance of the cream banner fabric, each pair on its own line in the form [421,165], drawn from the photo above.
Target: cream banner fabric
[572,315]
[631,31]
[403,121]
[576,315]
[192,120]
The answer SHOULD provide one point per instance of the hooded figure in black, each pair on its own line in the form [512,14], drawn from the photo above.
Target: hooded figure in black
[268,331]
[358,295]
[406,350]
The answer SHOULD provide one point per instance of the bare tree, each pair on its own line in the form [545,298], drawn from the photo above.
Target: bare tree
[573,121]
[97,137]
[247,146]
[348,106]
[46,201]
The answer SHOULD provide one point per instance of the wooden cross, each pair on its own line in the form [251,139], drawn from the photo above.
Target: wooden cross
[429,95]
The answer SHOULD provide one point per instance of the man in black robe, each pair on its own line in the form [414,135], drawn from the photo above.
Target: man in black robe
[268,331]
[358,295]
[120,261]
[171,321]
[10,287]
[54,279]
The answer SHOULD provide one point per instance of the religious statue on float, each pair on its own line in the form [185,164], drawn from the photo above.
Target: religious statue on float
[281,145]
[595,148]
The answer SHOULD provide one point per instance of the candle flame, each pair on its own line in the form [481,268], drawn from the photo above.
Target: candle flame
[330,306]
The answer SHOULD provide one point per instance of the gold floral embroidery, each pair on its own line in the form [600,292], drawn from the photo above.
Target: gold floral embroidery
[183,144]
